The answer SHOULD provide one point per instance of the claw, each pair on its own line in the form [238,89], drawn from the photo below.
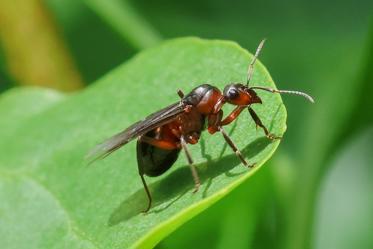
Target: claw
[196,188]
[273,136]
[251,165]
[145,212]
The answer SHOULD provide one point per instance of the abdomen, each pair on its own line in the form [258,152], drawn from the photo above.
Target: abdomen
[154,161]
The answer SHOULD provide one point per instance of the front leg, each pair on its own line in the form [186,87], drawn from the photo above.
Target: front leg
[259,123]
[216,120]
[232,116]
[215,124]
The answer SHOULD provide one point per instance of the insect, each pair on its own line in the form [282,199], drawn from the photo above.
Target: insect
[162,135]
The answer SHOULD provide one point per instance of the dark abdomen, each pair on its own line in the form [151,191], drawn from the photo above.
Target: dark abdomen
[154,161]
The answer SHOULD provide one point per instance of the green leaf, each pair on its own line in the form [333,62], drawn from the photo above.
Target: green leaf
[18,105]
[100,206]
[233,221]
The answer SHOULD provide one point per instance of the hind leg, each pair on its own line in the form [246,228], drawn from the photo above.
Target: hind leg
[147,192]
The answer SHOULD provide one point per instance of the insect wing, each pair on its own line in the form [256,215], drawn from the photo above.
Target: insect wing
[139,128]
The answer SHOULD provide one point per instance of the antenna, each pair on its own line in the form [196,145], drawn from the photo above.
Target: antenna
[305,95]
[250,69]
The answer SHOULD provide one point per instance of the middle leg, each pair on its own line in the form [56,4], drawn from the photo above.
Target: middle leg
[215,123]
[234,147]
[197,182]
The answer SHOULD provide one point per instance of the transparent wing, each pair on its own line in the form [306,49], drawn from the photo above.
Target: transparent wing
[139,128]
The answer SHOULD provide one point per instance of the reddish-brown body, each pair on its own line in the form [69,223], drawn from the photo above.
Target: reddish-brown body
[203,103]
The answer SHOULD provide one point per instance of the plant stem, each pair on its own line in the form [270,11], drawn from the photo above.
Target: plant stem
[124,19]
[34,50]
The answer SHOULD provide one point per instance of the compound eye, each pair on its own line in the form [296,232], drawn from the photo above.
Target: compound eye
[233,93]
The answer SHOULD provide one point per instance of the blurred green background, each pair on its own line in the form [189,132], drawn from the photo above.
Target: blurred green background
[316,192]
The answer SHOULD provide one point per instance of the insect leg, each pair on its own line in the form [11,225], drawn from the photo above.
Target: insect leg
[259,123]
[192,167]
[215,120]
[232,116]
[141,173]
[233,146]
[147,192]
[180,93]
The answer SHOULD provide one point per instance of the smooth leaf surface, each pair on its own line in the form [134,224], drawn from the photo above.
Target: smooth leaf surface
[50,197]
[18,105]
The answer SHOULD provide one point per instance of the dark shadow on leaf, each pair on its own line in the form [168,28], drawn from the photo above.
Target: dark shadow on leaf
[208,184]
[203,150]
[276,113]
[180,181]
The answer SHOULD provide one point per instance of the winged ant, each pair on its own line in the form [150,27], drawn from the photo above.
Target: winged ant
[163,134]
